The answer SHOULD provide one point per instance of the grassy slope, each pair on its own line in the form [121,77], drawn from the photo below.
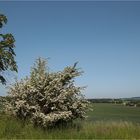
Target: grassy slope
[11,128]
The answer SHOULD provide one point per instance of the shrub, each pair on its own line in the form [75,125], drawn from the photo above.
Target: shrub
[47,98]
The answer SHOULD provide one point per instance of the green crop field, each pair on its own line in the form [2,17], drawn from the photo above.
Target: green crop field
[114,112]
[107,121]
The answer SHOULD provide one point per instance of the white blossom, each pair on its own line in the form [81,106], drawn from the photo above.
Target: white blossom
[46,98]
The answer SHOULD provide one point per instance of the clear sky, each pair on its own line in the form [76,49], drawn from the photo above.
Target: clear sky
[103,36]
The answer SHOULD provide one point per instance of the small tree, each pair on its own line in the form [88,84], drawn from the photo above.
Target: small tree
[48,98]
[7,61]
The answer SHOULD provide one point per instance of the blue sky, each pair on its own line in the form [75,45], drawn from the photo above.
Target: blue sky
[103,36]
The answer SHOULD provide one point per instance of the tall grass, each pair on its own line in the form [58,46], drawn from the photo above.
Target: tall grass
[15,129]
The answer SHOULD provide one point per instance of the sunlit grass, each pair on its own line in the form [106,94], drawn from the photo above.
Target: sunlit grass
[15,129]
[107,121]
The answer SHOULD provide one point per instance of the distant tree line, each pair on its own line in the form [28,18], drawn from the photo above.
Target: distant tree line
[124,101]
[105,100]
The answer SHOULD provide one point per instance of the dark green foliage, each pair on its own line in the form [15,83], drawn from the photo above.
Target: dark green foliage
[7,54]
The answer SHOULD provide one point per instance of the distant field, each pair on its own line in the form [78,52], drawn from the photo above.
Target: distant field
[107,121]
[114,112]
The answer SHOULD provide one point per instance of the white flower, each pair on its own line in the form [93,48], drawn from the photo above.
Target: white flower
[47,97]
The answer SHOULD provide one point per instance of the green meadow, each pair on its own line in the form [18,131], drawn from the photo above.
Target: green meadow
[106,121]
[114,112]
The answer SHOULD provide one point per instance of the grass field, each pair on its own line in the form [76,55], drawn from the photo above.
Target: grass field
[107,121]
[114,112]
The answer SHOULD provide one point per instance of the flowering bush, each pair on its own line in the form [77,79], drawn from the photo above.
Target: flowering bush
[47,98]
